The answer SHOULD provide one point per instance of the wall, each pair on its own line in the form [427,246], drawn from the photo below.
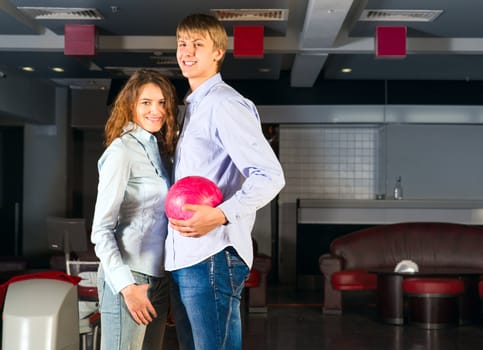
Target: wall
[427,145]
[436,161]
[416,142]
[31,100]
[45,176]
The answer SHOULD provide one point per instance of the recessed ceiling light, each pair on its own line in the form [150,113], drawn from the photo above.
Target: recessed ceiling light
[346,70]
[57,69]
[28,69]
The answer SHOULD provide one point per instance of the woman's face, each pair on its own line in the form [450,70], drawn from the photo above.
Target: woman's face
[150,113]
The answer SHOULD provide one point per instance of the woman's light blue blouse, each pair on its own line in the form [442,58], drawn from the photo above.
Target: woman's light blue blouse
[129,225]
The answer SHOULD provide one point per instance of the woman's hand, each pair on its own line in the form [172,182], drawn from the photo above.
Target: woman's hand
[138,304]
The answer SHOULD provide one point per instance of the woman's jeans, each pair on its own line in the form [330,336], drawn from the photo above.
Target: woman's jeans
[209,295]
[118,329]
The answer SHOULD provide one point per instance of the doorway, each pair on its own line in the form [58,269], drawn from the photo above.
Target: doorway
[11,190]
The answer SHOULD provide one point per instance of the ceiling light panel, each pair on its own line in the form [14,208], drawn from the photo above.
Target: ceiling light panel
[241,15]
[400,15]
[61,13]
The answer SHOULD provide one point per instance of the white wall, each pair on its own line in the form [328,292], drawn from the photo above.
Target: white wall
[436,161]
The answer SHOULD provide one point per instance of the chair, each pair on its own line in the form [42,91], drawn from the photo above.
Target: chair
[262,263]
[70,236]
[89,315]
[253,281]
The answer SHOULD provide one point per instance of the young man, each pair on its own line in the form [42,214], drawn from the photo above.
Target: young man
[211,253]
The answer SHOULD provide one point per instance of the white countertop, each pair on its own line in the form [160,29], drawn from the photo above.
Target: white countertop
[391,203]
[315,211]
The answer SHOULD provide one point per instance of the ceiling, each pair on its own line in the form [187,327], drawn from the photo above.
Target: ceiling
[313,41]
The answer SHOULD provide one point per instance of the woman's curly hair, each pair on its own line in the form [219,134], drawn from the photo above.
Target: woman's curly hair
[123,110]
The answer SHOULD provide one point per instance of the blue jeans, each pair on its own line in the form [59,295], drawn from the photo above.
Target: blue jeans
[118,329]
[206,302]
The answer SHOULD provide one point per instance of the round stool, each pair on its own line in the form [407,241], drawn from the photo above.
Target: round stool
[433,302]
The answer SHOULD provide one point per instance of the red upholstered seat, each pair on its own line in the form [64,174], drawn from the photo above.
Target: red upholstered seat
[353,280]
[480,288]
[440,286]
[433,302]
[253,279]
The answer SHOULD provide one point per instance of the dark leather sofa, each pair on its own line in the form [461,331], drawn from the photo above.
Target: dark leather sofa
[429,244]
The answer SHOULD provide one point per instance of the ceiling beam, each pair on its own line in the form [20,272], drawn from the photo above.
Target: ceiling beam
[53,42]
[7,7]
[323,21]
[306,68]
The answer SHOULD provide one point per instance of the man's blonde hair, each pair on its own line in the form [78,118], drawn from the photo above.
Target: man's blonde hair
[205,25]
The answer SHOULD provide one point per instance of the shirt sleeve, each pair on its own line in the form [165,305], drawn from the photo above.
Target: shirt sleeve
[114,169]
[239,129]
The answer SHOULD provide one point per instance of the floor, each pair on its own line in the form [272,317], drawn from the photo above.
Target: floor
[294,321]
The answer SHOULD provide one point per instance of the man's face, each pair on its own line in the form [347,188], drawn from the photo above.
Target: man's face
[197,57]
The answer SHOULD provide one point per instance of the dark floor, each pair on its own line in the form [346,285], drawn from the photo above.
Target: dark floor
[294,320]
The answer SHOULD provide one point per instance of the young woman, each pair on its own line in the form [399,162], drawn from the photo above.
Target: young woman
[129,226]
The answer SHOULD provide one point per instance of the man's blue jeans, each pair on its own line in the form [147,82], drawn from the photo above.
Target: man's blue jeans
[206,302]
[119,331]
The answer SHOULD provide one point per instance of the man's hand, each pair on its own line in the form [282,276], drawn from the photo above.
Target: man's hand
[204,219]
[138,304]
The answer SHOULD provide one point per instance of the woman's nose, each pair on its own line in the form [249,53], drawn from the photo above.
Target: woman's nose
[154,108]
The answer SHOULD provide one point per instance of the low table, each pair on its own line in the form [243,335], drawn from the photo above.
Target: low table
[390,299]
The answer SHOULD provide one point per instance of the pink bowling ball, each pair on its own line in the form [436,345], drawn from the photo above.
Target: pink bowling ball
[191,190]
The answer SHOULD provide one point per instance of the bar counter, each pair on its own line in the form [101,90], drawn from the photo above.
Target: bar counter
[341,211]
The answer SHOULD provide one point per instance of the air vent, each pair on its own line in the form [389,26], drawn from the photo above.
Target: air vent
[250,14]
[61,13]
[400,15]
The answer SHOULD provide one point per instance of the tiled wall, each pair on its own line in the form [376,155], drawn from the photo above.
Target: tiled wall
[324,162]
[327,162]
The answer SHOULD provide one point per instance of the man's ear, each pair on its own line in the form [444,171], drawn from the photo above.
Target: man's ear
[219,53]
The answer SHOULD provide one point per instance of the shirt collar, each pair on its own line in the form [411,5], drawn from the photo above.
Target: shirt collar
[201,91]
[139,133]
